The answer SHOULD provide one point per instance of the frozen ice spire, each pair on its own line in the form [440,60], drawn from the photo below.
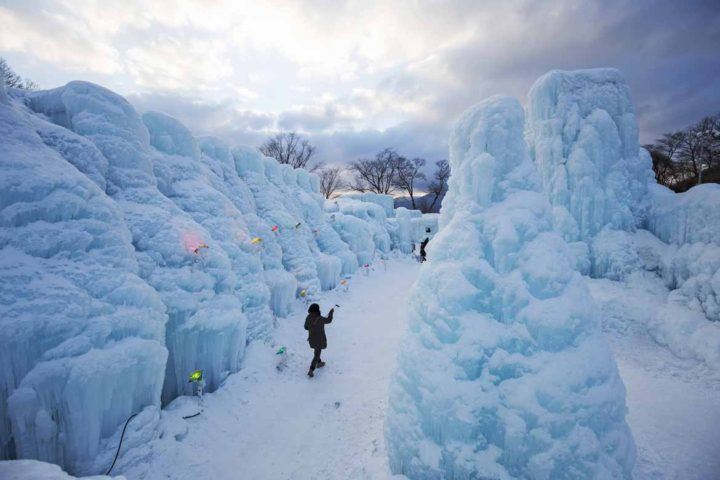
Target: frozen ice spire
[584,139]
[504,372]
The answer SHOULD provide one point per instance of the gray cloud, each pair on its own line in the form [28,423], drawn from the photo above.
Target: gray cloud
[408,98]
[201,116]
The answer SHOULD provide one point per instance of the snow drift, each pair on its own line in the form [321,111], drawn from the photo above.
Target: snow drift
[505,372]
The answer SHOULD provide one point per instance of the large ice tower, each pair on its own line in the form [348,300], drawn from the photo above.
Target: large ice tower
[584,140]
[504,372]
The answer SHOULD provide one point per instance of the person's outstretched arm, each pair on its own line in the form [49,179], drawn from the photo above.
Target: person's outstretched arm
[330,316]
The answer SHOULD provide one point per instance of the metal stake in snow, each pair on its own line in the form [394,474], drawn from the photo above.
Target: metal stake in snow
[196,378]
[345,285]
[297,225]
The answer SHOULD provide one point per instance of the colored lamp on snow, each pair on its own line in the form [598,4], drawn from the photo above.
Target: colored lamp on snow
[280,351]
[197,249]
[343,282]
[256,241]
[303,293]
[195,376]
[275,228]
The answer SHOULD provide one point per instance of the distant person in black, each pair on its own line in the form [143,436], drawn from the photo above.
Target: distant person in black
[423,254]
[315,325]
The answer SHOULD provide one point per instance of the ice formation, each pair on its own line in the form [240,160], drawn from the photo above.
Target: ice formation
[505,372]
[689,223]
[34,470]
[133,254]
[387,202]
[583,138]
[83,336]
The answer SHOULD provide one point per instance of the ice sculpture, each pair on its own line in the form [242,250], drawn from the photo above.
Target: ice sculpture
[504,372]
[584,140]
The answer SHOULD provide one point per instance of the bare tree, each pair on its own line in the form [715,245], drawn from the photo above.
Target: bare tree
[708,131]
[684,158]
[376,175]
[291,149]
[12,79]
[330,180]
[438,186]
[408,172]
[662,166]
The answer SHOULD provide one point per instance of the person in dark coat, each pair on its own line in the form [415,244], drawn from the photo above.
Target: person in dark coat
[315,325]
[423,254]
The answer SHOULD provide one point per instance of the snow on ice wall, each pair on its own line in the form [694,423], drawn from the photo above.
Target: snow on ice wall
[504,372]
[584,140]
[123,236]
[82,344]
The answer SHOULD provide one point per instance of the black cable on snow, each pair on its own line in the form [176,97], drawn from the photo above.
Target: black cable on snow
[122,435]
[191,416]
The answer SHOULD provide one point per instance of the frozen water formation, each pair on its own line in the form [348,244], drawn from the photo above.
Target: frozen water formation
[133,254]
[504,372]
[583,138]
[82,343]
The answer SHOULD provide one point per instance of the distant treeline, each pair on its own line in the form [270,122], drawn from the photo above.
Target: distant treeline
[687,157]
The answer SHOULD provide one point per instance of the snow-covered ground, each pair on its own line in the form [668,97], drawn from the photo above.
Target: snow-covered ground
[267,424]
[673,403]
[263,423]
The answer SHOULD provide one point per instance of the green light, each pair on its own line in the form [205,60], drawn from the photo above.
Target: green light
[281,351]
[195,376]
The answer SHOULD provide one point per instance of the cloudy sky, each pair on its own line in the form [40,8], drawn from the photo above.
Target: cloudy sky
[358,76]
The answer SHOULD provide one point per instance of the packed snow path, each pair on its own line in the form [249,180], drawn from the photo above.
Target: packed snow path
[268,424]
[280,425]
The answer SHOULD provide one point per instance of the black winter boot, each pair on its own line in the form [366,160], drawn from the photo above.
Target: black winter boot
[310,373]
